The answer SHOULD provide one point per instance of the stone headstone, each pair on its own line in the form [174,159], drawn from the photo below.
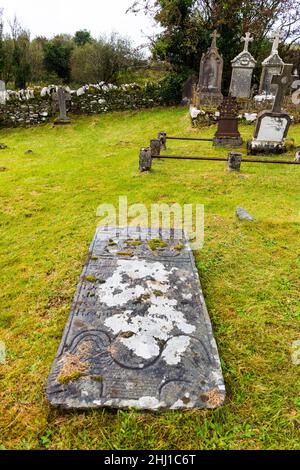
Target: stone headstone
[2,92]
[139,334]
[210,78]
[227,134]
[61,97]
[242,71]
[282,83]
[271,66]
[272,126]
[188,89]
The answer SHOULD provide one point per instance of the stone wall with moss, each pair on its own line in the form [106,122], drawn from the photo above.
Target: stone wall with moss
[36,106]
[21,113]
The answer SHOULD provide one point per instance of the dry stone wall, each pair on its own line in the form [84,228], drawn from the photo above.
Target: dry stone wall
[35,106]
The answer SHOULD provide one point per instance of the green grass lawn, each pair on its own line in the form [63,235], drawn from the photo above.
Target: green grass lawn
[250,275]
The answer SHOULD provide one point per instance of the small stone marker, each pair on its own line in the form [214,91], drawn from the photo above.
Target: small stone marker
[210,77]
[242,214]
[242,71]
[62,98]
[2,93]
[145,161]
[271,66]
[155,147]
[272,126]
[139,334]
[228,134]
[234,161]
[162,136]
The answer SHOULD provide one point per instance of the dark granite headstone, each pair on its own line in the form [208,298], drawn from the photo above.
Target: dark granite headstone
[228,134]
[139,334]
[210,78]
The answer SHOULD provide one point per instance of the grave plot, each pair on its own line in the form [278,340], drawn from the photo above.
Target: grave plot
[139,334]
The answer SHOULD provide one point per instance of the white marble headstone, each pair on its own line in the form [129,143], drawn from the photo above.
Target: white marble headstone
[272,129]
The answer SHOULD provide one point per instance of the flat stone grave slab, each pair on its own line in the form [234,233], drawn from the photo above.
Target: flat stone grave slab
[139,335]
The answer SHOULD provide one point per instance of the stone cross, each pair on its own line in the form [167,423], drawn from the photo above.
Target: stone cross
[283,81]
[214,37]
[246,40]
[276,40]
[62,99]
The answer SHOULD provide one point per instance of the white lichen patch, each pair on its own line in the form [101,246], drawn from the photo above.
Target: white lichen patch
[180,404]
[155,327]
[143,403]
[175,349]
[187,296]
[117,292]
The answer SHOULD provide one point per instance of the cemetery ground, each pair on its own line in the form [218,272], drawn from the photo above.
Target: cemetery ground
[249,271]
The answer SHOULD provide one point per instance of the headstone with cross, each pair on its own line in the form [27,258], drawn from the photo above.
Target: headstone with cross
[2,92]
[62,97]
[215,36]
[272,126]
[210,77]
[271,66]
[283,82]
[242,71]
[246,41]
[277,36]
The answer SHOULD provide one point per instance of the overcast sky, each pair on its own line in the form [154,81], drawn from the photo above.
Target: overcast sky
[47,18]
